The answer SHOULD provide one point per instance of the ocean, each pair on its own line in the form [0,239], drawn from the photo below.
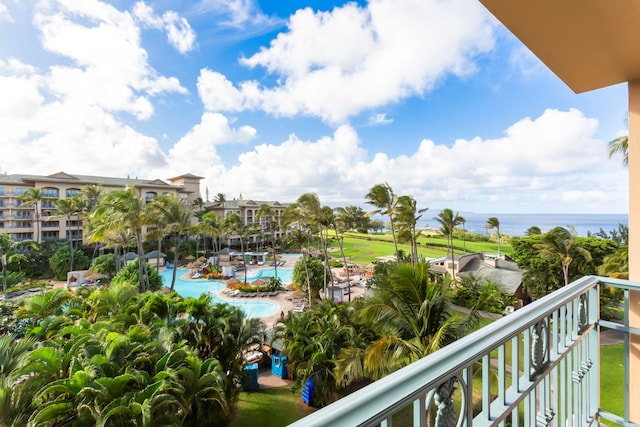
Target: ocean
[517,224]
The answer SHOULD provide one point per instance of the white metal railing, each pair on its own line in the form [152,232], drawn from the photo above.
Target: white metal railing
[536,367]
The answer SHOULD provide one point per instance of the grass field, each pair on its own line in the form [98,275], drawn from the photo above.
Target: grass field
[364,248]
[272,407]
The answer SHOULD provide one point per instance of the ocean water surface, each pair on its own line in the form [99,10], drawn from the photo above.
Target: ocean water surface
[517,224]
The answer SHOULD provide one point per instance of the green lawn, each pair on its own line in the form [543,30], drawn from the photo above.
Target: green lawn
[364,248]
[272,407]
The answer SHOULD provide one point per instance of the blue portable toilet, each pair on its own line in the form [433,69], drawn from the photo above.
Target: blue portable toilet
[250,377]
[307,392]
[279,365]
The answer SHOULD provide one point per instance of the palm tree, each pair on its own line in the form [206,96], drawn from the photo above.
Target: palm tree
[7,246]
[463,221]
[34,197]
[234,224]
[408,216]
[311,215]
[411,313]
[620,146]
[559,243]
[268,214]
[493,222]
[68,208]
[123,209]
[211,225]
[221,199]
[177,219]
[448,222]
[385,200]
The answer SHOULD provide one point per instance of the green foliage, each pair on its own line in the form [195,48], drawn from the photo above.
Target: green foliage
[104,264]
[311,269]
[481,294]
[61,259]
[130,275]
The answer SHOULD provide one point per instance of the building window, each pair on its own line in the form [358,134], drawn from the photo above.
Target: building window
[150,195]
[2,192]
[72,192]
[50,235]
[51,224]
[74,223]
[1,203]
[48,204]
[54,193]
[19,237]
[19,191]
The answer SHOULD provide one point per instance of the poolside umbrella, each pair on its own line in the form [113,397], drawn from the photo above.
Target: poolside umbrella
[289,287]
[299,293]
[94,276]
[189,258]
[190,265]
[197,264]
[202,259]
[232,281]
[165,290]
[257,282]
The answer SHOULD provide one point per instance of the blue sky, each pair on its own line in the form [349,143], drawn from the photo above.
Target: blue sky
[270,100]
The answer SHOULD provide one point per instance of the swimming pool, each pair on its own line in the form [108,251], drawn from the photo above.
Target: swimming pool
[196,287]
[285,274]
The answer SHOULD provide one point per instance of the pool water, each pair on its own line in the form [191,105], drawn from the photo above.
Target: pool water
[285,274]
[196,287]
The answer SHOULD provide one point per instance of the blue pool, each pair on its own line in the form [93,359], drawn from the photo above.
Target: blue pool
[285,274]
[196,287]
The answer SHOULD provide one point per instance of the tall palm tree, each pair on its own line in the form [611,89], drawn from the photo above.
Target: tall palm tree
[408,216]
[463,221]
[212,226]
[268,214]
[310,214]
[67,209]
[493,222]
[177,219]
[234,224]
[385,200]
[34,197]
[448,222]
[411,314]
[559,243]
[123,209]
[620,146]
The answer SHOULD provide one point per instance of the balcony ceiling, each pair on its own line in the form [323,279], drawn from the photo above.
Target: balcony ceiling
[588,44]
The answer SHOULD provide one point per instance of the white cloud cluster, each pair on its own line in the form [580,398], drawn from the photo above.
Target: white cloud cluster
[82,114]
[337,64]
[179,33]
[4,13]
[68,116]
[540,165]
[241,14]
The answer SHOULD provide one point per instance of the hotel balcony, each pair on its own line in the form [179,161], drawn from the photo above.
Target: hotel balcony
[540,366]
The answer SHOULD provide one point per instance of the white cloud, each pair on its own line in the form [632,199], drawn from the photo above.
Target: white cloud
[525,62]
[379,119]
[336,64]
[217,93]
[241,14]
[179,33]
[4,13]
[109,68]
[543,164]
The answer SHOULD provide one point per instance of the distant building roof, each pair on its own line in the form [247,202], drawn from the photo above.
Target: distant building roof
[63,177]
[505,273]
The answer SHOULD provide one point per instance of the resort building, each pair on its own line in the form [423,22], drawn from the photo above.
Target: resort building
[249,211]
[22,221]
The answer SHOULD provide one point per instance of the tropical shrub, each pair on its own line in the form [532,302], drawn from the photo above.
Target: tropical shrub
[130,274]
[60,262]
[104,264]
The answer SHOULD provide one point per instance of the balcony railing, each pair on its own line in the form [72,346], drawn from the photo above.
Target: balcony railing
[536,367]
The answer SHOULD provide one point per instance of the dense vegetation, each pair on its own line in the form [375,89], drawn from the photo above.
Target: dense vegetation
[125,354]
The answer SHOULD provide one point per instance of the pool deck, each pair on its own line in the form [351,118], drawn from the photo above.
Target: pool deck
[284,304]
